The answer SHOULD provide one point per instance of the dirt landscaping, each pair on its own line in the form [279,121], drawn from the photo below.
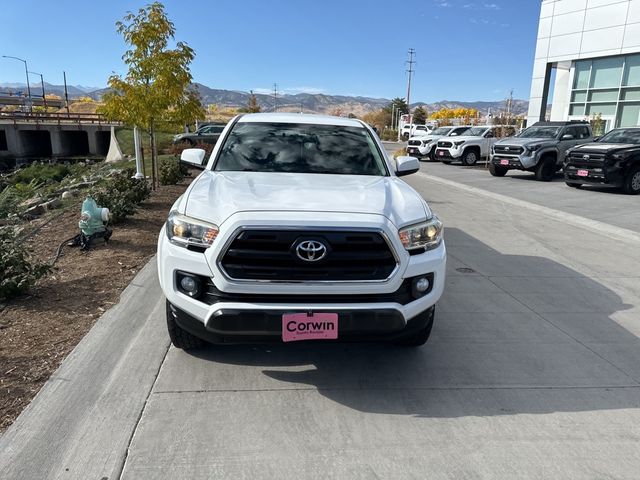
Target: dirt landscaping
[38,331]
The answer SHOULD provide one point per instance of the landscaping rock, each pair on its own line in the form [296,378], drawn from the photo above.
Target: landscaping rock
[36,210]
[52,204]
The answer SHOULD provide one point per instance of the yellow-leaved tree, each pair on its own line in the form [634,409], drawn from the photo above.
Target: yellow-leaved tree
[157,87]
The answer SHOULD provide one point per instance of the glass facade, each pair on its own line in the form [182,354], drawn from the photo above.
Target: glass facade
[609,87]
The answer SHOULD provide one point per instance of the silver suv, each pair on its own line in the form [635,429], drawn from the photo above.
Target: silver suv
[540,148]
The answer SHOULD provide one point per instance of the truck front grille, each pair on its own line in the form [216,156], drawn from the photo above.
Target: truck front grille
[507,150]
[272,255]
[415,143]
[587,160]
[445,144]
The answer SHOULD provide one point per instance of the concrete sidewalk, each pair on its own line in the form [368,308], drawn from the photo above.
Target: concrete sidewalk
[81,422]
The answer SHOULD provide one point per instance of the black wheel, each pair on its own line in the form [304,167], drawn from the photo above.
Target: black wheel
[546,169]
[432,155]
[420,337]
[469,157]
[574,185]
[632,182]
[180,337]
[497,170]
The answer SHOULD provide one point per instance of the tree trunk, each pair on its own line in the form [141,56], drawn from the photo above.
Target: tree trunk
[154,160]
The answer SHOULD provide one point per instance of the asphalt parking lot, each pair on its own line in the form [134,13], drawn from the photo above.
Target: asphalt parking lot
[532,371]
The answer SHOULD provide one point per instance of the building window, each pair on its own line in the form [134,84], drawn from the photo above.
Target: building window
[609,87]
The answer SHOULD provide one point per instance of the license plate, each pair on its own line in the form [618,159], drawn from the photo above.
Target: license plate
[302,326]
[412,150]
[504,162]
[441,153]
[583,173]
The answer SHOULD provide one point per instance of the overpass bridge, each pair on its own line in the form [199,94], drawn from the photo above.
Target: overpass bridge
[53,135]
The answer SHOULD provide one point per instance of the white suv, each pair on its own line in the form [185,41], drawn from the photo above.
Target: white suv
[300,229]
[425,146]
[475,144]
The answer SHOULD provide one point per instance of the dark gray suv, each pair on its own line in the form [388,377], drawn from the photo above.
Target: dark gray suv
[209,133]
[540,148]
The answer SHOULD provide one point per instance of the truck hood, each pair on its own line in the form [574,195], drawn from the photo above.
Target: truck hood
[463,138]
[429,138]
[602,147]
[523,142]
[215,196]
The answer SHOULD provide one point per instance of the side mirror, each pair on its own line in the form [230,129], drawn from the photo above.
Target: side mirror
[567,136]
[193,156]
[406,166]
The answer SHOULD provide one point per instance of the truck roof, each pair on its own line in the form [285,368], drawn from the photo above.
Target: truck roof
[285,117]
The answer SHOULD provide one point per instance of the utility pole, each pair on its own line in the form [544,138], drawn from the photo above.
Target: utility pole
[66,94]
[410,71]
[509,103]
[275,97]
[44,98]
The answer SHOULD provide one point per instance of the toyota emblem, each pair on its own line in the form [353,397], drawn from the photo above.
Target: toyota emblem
[586,158]
[507,148]
[311,250]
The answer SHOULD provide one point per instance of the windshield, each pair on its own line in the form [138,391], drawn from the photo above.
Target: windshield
[475,131]
[300,148]
[540,132]
[621,136]
[441,131]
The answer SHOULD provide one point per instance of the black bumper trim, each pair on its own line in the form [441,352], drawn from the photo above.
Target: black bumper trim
[255,326]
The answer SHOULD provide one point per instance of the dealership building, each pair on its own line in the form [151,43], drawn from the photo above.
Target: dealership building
[587,62]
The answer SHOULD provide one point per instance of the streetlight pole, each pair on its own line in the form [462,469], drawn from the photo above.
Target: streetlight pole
[26,72]
[44,99]
[410,71]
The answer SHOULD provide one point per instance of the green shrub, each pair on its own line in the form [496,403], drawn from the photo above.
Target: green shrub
[389,135]
[40,172]
[170,171]
[17,272]
[121,194]
[8,202]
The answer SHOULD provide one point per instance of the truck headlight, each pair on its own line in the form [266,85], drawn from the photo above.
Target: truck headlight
[186,231]
[458,144]
[426,235]
[533,148]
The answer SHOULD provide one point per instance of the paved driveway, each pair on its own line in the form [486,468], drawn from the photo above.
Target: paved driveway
[533,371]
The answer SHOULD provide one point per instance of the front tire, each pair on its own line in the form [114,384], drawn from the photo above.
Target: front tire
[419,338]
[497,170]
[632,182]
[180,338]
[545,170]
[469,158]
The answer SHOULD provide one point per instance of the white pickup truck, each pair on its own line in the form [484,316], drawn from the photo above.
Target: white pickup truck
[475,144]
[299,228]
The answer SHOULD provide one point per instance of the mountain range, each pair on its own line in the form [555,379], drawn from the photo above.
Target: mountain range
[305,102]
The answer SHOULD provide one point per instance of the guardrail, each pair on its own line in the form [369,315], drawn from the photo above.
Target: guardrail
[56,118]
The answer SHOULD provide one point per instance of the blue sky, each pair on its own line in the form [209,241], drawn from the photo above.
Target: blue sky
[465,49]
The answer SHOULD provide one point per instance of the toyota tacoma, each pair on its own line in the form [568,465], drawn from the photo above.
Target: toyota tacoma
[300,228]
[473,145]
[613,160]
[425,146]
[540,148]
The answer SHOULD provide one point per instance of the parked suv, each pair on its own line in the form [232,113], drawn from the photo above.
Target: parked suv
[300,228]
[473,145]
[613,159]
[425,146]
[209,133]
[540,148]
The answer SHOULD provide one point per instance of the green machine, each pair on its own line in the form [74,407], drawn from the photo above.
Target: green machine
[93,224]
